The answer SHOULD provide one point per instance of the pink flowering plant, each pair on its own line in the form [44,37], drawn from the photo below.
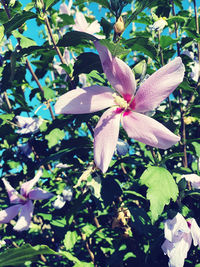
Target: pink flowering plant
[99,133]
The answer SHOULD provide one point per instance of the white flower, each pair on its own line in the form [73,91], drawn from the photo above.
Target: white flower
[67,195]
[59,202]
[28,125]
[194,65]
[158,25]
[194,179]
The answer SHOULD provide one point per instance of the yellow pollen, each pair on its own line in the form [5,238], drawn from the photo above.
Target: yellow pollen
[120,101]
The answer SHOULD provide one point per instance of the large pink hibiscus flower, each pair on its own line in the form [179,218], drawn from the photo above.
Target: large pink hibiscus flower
[126,105]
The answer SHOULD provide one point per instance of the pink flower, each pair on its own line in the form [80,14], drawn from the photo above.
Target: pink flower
[83,26]
[126,105]
[179,234]
[24,205]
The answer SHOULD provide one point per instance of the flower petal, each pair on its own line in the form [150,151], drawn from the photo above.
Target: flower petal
[8,214]
[177,252]
[148,131]
[195,232]
[118,72]
[80,22]
[159,86]
[26,187]
[105,138]
[194,179]
[25,216]
[12,193]
[38,193]
[176,228]
[85,100]
[94,27]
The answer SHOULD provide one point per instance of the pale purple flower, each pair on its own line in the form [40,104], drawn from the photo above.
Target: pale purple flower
[23,202]
[28,125]
[194,179]
[83,26]
[126,105]
[179,234]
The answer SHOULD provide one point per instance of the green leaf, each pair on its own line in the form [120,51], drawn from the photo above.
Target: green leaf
[161,188]
[75,38]
[103,3]
[143,45]
[18,20]
[166,41]
[49,3]
[66,19]
[86,63]
[24,41]
[59,223]
[48,93]
[6,118]
[115,49]
[1,32]
[83,263]
[197,148]
[18,256]
[70,239]
[54,136]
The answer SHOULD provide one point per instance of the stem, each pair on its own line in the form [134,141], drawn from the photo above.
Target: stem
[39,85]
[6,9]
[183,137]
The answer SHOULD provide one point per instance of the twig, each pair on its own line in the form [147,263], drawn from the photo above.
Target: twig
[39,85]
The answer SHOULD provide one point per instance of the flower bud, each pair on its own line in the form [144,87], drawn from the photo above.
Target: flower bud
[59,203]
[67,193]
[119,26]
[122,147]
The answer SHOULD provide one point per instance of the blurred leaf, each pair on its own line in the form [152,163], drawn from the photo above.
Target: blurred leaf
[48,93]
[143,45]
[166,41]
[86,63]
[18,256]
[59,223]
[66,19]
[161,188]
[18,20]
[49,3]
[54,136]
[110,185]
[1,32]
[70,239]
[103,3]
[197,148]
[115,49]
[75,38]
[24,41]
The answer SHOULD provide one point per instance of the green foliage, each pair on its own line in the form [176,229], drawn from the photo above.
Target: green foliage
[54,136]
[161,188]
[18,256]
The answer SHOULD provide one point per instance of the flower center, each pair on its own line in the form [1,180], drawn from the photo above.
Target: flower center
[120,101]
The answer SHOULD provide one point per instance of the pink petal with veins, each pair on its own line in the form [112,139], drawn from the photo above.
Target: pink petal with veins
[148,131]
[85,100]
[159,86]
[118,73]
[105,138]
